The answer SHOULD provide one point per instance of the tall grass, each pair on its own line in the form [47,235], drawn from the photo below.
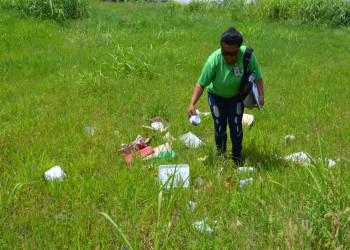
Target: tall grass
[326,12]
[131,62]
[59,10]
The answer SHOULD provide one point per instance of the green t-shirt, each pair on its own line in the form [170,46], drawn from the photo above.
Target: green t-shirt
[218,76]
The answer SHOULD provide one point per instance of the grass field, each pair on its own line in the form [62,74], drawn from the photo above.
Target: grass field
[130,62]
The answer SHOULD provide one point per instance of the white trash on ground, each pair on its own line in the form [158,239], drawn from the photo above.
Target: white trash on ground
[243,182]
[181,173]
[306,159]
[199,180]
[169,137]
[192,205]
[116,133]
[331,163]
[246,169]
[202,226]
[191,140]
[55,173]
[156,126]
[89,129]
[247,119]
[291,137]
[300,157]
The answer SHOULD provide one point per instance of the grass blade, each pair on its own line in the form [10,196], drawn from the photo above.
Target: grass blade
[119,230]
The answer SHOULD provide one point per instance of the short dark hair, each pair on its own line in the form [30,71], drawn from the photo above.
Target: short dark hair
[231,37]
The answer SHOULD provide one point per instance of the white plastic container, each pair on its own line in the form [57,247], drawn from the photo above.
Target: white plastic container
[181,173]
[55,173]
[246,169]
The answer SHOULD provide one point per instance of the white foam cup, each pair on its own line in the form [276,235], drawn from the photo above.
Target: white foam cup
[195,120]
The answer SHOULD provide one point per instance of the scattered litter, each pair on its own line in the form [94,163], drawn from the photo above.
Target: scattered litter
[331,163]
[158,150]
[167,154]
[205,113]
[301,158]
[247,119]
[289,137]
[195,119]
[243,182]
[202,159]
[199,180]
[169,137]
[246,169]
[158,123]
[238,223]
[116,133]
[159,119]
[191,140]
[192,205]
[138,147]
[202,226]
[180,172]
[55,173]
[338,160]
[306,159]
[90,130]
[156,126]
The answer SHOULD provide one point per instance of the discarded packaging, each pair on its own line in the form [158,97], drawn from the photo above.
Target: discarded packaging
[180,172]
[156,126]
[247,119]
[142,153]
[205,113]
[243,182]
[202,159]
[169,137]
[166,154]
[159,119]
[90,130]
[199,180]
[289,137]
[191,140]
[301,158]
[158,150]
[195,120]
[246,169]
[202,226]
[331,163]
[192,205]
[306,159]
[55,173]
[137,147]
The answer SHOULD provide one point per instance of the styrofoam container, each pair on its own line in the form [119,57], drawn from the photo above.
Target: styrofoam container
[55,173]
[247,119]
[181,173]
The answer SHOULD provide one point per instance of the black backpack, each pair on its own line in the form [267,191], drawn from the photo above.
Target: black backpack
[246,86]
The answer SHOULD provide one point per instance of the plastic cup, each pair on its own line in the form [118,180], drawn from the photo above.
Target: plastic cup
[195,120]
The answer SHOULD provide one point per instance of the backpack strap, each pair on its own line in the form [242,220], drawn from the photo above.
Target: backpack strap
[246,58]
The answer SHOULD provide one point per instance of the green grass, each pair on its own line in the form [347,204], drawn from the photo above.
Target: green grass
[131,62]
